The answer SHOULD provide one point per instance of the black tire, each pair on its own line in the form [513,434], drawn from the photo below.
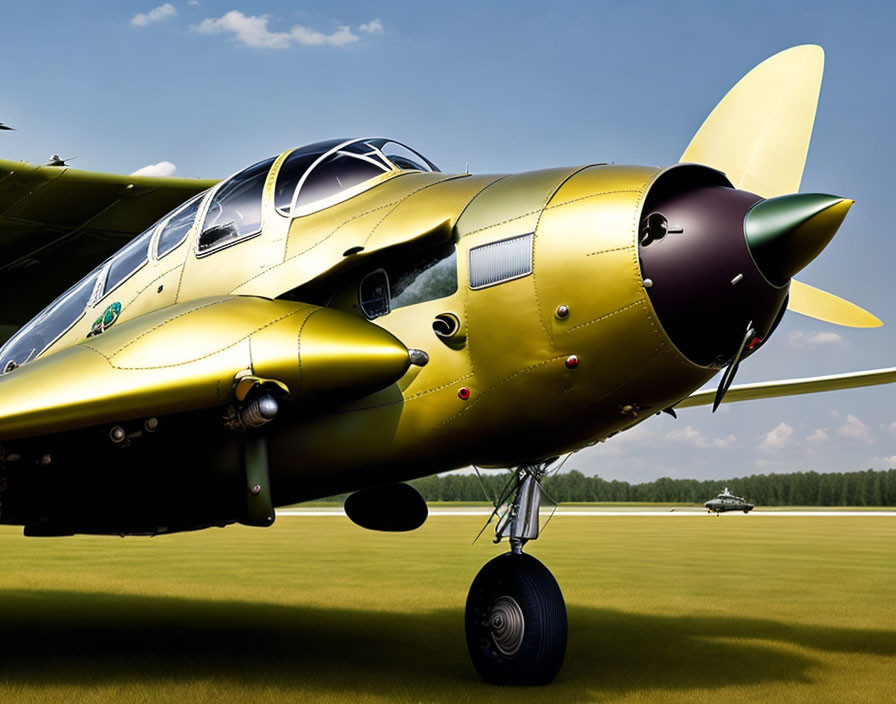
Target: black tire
[516,622]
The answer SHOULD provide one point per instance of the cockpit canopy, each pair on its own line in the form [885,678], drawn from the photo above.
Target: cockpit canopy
[309,179]
[314,176]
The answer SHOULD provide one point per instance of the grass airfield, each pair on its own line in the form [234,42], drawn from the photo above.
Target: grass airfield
[314,609]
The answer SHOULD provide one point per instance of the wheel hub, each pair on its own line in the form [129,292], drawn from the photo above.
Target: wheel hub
[507,625]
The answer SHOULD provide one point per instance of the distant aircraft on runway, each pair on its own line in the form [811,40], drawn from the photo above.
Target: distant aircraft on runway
[726,501]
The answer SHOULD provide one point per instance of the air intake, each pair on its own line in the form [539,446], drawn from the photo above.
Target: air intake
[501,261]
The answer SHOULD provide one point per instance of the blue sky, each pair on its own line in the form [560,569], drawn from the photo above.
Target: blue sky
[504,86]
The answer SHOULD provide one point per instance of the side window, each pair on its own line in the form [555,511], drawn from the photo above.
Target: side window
[235,209]
[48,326]
[177,226]
[128,260]
[427,279]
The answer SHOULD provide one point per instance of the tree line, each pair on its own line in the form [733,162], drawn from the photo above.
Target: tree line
[868,488]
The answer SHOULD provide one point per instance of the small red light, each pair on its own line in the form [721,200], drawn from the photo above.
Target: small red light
[572,362]
[755,341]
[463,393]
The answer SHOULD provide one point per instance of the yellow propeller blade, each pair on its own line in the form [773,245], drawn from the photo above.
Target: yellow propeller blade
[759,133]
[825,306]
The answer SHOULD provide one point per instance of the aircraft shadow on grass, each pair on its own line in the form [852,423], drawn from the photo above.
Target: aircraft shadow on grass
[84,639]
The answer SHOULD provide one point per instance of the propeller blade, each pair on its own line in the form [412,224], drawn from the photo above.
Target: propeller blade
[731,370]
[759,133]
[821,305]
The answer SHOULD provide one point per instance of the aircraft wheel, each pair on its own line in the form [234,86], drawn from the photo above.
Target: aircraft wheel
[516,622]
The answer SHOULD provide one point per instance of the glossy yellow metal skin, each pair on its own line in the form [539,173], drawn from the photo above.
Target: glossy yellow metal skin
[174,351]
[524,403]
[191,356]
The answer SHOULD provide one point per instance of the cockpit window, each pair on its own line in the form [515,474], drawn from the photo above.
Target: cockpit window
[48,326]
[177,226]
[128,260]
[294,167]
[340,171]
[320,171]
[234,213]
[404,158]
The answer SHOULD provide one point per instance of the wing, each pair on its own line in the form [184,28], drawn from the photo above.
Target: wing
[57,223]
[794,387]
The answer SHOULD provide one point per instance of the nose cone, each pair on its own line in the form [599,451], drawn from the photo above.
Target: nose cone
[784,234]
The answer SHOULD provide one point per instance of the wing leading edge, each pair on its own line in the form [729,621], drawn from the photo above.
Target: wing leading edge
[57,223]
[794,387]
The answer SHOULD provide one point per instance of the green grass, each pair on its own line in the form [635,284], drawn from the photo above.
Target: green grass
[699,609]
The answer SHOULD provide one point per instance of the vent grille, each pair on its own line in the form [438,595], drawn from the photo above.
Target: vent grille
[501,261]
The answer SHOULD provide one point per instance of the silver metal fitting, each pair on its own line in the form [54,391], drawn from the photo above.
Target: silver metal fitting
[260,410]
[418,358]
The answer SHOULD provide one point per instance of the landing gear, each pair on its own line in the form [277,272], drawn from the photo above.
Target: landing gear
[516,622]
[516,617]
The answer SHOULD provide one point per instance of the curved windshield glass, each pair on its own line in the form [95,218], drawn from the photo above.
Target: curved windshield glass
[128,260]
[48,326]
[324,169]
[294,167]
[234,213]
[343,169]
[403,157]
[178,225]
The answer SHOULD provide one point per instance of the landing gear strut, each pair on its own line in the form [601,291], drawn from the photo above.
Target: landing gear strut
[515,616]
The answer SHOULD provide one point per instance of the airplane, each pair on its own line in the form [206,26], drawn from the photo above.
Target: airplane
[344,317]
[726,501]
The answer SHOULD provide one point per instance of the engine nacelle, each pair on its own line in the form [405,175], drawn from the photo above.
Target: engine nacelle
[189,357]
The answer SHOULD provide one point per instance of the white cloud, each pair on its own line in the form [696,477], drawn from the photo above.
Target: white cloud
[886,462]
[159,14]
[372,27]
[892,428]
[724,443]
[817,441]
[252,31]
[778,438]
[310,37]
[688,436]
[163,168]
[855,429]
[800,340]
[193,3]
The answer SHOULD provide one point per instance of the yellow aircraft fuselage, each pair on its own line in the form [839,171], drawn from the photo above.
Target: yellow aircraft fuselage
[561,356]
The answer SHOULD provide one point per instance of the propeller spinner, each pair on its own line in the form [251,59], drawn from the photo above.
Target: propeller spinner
[720,261]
